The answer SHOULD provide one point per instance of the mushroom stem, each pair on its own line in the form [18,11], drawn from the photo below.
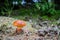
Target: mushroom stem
[18,30]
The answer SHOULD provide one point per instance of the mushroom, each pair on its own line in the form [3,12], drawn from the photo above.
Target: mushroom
[19,24]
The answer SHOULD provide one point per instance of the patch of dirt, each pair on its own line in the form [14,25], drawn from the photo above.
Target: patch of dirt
[33,30]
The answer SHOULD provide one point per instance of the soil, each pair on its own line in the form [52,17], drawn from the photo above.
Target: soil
[34,30]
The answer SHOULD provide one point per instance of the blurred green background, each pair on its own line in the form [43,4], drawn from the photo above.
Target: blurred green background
[15,8]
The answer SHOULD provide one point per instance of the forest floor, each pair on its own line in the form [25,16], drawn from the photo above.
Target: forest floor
[35,29]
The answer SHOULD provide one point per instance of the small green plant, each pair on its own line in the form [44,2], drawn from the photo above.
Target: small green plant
[6,9]
[46,8]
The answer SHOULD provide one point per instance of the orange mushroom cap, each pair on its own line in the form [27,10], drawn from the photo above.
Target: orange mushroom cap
[19,23]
